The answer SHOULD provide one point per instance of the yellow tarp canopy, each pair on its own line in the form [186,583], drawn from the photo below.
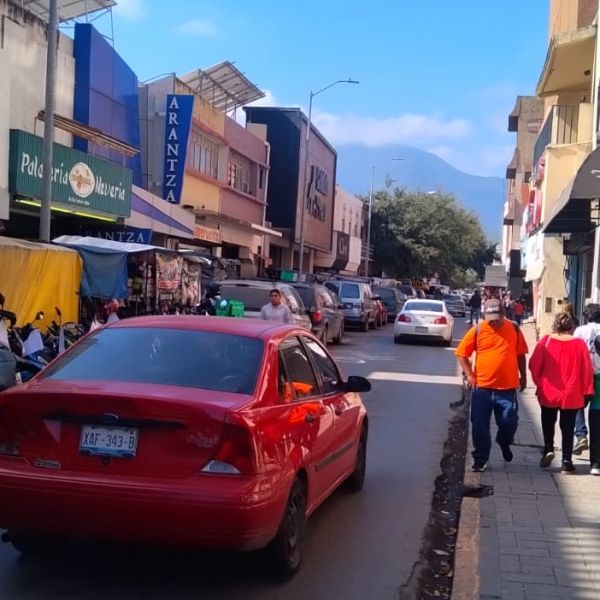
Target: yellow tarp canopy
[35,276]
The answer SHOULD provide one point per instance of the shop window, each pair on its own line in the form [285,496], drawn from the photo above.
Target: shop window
[239,174]
[203,155]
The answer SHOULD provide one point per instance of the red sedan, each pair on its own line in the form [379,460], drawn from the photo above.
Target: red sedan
[197,432]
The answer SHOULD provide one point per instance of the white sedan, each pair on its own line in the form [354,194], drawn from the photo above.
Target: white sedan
[425,319]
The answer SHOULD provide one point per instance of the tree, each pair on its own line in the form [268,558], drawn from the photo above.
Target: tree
[417,234]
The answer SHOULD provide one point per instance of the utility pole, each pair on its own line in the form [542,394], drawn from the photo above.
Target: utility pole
[49,109]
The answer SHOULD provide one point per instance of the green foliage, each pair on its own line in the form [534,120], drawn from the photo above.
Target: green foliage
[419,234]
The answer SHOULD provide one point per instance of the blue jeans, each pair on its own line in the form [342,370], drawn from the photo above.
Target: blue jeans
[475,315]
[580,427]
[504,405]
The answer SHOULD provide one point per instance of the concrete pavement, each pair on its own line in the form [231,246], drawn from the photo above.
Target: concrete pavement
[537,535]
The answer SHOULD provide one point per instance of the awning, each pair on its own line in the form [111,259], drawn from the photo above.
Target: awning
[569,62]
[572,211]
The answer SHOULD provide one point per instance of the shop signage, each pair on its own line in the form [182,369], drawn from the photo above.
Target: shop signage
[78,179]
[318,187]
[207,234]
[133,235]
[177,130]
[343,246]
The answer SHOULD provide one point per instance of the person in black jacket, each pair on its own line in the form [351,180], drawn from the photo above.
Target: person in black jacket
[475,306]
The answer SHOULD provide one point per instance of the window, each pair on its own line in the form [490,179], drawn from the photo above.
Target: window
[203,155]
[325,298]
[299,380]
[350,290]
[239,173]
[326,368]
[425,306]
[152,355]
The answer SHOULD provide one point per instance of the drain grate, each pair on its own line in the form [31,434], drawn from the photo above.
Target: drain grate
[477,491]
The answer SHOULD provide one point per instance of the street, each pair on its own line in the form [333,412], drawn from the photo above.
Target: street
[360,546]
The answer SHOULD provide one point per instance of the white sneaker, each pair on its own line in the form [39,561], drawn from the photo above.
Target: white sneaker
[595,470]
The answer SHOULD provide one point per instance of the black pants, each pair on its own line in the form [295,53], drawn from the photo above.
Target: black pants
[594,421]
[567,428]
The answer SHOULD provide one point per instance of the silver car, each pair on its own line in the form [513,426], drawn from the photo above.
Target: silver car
[357,301]
[255,294]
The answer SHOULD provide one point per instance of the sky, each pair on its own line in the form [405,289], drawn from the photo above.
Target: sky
[441,75]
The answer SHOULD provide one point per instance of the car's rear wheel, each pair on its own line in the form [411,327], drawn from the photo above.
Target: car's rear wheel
[288,545]
[338,338]
[356,481]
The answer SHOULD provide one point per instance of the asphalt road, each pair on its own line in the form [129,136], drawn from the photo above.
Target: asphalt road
[360,545]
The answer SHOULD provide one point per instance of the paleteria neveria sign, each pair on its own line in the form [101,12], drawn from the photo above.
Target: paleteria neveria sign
[79,180]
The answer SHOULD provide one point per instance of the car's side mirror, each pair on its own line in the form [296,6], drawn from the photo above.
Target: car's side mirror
[356,383]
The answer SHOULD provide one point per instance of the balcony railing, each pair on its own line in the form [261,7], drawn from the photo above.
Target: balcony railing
[561,127]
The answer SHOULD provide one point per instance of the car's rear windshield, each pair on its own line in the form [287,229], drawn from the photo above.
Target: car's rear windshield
[350,290]
[254,298]
[407,289]
[307,295]
[453,298]
[387,293]
[426,306]
[197,359]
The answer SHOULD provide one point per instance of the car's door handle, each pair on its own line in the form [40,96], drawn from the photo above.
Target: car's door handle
[310,418]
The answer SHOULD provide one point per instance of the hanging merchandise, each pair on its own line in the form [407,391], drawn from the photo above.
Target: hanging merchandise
[190,282]
[168,277]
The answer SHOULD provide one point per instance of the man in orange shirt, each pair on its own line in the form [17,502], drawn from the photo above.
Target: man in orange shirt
[500,370]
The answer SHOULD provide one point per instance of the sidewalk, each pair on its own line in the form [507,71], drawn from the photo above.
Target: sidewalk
[537,536]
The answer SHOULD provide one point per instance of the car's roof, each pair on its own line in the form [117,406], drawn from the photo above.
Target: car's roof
[253,283]
[255,328]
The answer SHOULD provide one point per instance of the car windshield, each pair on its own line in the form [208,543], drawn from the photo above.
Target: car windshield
[424,306]
[453,298]
[386,293]
[254,298]
[307,295]
[350,290]
[407,289]
[197,359]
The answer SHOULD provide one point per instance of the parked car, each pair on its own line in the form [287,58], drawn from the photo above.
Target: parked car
[325,311]
[408,290]
[187,432]
[393,298]
[357,302]
[456,305]
[255,294]
[381,312]
[424,319]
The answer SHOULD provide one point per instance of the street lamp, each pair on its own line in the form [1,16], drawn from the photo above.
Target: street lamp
[304,190]
[370,211]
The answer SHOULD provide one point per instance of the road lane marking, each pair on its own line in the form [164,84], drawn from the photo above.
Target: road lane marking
[415,378]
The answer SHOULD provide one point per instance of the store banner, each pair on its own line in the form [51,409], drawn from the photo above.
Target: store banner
[127,234]
[342,247]
[79,181]
[190,282]
[168,276]
[177,129]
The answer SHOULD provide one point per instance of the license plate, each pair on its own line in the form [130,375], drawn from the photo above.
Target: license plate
[421,329]
[108,441]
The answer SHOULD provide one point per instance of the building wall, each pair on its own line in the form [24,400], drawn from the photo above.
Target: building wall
[568,15]
[22,76]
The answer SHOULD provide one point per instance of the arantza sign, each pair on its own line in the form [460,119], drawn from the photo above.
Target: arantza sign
[177,129]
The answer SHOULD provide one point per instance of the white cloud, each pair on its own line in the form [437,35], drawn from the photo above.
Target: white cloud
[268,100]
[411,129]
[130,9]
[198,28]
[484,160]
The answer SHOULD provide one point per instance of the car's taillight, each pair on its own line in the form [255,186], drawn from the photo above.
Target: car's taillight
[404,318]
[236,454]
[441,321]
[316,316]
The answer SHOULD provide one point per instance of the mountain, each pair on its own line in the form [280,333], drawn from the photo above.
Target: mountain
[422,171]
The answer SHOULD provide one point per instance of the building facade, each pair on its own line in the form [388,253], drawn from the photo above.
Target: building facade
[300,199]
[345,257]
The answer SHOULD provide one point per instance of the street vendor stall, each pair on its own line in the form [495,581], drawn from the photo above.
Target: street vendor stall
[39,277]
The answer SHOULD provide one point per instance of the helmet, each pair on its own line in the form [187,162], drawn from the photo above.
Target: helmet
[213,289]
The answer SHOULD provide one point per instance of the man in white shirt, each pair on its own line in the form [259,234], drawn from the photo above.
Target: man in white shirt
[276,310]
[588,334]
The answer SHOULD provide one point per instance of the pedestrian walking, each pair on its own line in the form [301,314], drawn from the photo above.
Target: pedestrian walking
[475,306]
[518,310]
[561,369]
[508,305]
[276,310]
[500,370]
[588,333]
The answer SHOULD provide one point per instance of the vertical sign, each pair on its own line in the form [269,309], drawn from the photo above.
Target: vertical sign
[177,130]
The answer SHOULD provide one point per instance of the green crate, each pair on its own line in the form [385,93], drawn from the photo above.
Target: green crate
[230,308]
